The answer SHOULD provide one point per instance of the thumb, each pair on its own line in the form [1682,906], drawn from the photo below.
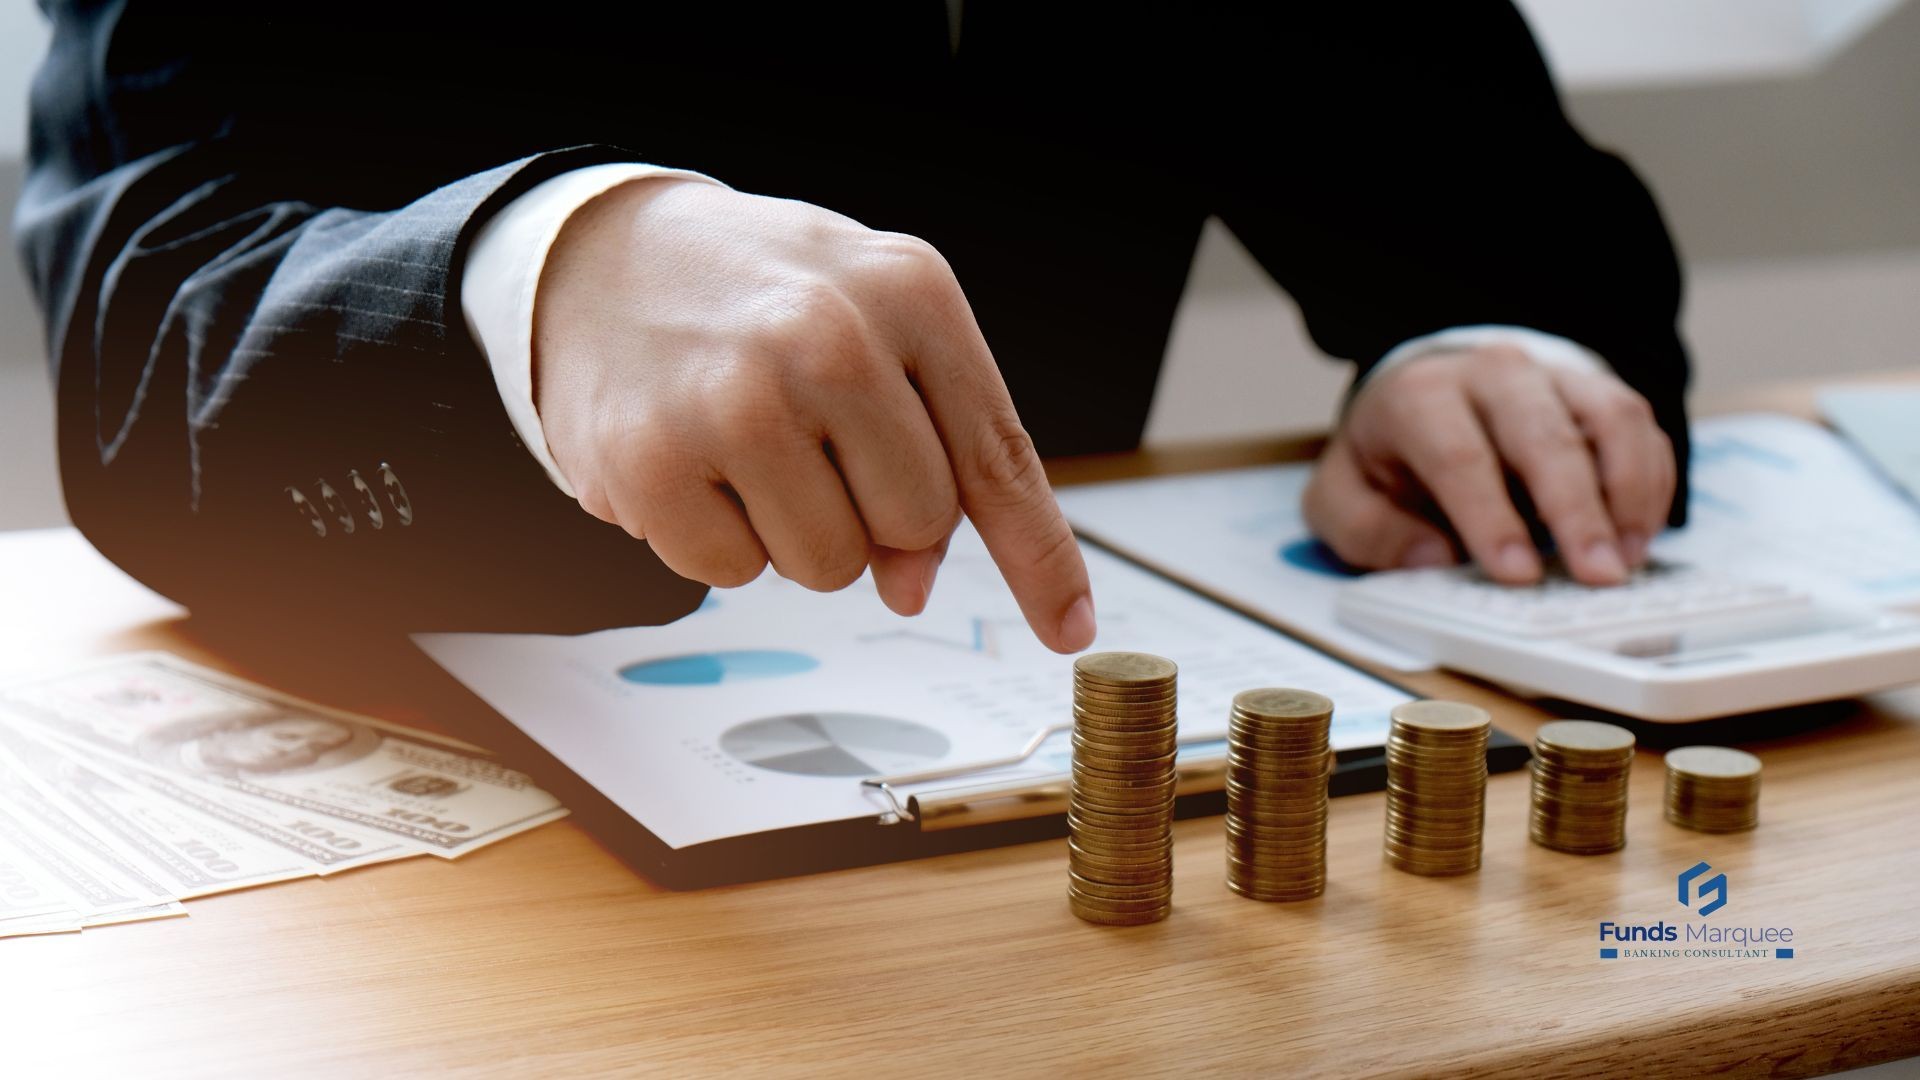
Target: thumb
[1365,527]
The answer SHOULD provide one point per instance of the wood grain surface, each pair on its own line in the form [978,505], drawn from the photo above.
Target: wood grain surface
[545,956]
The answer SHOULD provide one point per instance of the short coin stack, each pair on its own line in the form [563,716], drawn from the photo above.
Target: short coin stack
[1713,788]
[1120,816]
[1436,786]
[1580,771]
[1277,764]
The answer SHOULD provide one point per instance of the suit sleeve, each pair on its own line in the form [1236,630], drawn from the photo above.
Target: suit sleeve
[268,402]
[1428,178]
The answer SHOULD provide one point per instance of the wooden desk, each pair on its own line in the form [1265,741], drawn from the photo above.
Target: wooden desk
[545,956]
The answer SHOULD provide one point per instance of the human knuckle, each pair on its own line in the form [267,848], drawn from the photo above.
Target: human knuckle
[1423,376]
[816,337]
[634,528]
[656,472]
[1549,440]
[594,500]
[829,563]
[1052,543]
[919,522]
[1006,459]
[801,315]
[1629,408]
[836,364]
[1663,445]
[737,412]
[1460,456]
[916,277]
[731,566]
[1621,411]
[911,260]
[1503,358]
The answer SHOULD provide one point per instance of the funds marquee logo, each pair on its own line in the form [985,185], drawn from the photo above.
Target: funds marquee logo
[1717,885]
[1704,891]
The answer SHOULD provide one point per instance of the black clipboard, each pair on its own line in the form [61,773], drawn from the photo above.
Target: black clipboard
[840,845]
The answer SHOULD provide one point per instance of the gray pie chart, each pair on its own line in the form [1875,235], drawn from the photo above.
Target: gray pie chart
[834,744]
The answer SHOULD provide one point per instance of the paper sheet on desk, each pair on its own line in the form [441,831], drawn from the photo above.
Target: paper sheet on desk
[1773,498]
[767,707]
[1237,534]
[1784,500]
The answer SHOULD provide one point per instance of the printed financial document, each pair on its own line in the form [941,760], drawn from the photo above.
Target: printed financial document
[767,707]
[1773,499]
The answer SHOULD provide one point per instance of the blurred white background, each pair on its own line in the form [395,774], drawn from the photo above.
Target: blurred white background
[1778,135]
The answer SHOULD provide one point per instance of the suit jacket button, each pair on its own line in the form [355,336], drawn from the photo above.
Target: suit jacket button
[396,494]
[307,512]
[336,506]
[369,503]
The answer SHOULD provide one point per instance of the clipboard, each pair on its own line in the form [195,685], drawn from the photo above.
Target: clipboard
[753,738]
[932,820]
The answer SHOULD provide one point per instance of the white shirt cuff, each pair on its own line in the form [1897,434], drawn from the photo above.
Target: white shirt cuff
[1550,350]
[503,271]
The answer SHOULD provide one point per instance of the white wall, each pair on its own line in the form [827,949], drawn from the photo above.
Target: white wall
[1612,44]
[23,37]
[1795,202]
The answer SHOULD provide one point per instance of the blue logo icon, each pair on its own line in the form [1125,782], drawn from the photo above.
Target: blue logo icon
[1716,885]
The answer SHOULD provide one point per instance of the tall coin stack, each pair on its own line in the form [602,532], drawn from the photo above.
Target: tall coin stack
[1278,758]
[1436,786]
[1713,788]
[1580,771]
[1120,816]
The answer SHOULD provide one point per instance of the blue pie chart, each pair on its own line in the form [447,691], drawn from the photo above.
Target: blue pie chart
[1312,555]
[714,668]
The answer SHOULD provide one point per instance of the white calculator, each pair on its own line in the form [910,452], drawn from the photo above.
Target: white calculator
[1673,643]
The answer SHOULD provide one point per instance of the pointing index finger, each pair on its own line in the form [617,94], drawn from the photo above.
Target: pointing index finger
[1002,486]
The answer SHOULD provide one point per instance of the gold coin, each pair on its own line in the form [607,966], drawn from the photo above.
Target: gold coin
[1282,704]
[1124,668]
[1108,918]
[1437,717]
[1713,763]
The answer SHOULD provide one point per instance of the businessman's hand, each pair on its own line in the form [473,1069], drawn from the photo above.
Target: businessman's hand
[1423,459]
[739,380]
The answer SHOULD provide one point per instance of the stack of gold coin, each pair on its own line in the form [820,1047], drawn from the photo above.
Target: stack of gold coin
[1277,764]
[1713,788]
[1580,771]
[1120,815]
[1436,786]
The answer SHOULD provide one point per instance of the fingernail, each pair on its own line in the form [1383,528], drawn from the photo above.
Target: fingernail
[1077,629]
[1633,544]
[1603,559]
[927,575]
[1516,562]
[1432,551]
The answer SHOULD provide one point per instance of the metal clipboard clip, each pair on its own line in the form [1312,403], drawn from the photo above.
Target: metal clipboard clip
[1026,796]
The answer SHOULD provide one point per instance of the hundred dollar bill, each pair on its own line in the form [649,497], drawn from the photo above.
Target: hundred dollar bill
[189,854]
[328,845]
[42,823]
[159,716]
[29,901]
[102,892]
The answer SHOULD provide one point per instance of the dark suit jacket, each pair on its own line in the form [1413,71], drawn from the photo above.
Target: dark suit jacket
[246,225]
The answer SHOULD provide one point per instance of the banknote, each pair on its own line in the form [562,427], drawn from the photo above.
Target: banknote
[30,902]
[328,845]
[189,854]
[189,733]
[101,887]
